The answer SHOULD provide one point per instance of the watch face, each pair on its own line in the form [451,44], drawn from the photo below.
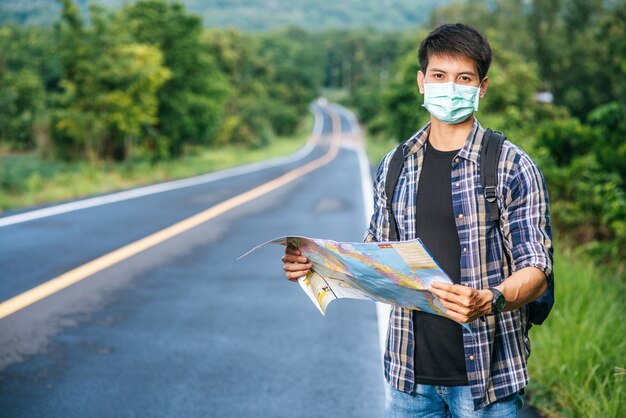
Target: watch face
[499,303]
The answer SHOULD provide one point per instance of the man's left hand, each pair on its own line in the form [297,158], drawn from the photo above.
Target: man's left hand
[464,303]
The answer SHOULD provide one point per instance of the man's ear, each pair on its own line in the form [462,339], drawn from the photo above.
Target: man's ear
[420,81]
[483,86]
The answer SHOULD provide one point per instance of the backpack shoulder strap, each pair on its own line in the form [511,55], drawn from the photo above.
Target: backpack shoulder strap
[393,174]
[490,150]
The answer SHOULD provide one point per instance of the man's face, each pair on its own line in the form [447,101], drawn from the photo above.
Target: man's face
[458,69]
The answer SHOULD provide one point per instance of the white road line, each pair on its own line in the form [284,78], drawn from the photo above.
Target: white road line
[354,124]
[82,272]
[167,186]
[382,309]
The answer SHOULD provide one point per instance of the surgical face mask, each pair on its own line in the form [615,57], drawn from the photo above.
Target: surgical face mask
[450,102]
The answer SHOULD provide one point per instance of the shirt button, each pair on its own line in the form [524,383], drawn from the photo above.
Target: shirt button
[457,184]
[464,249]
[472,358]
[456,160]
[461,216]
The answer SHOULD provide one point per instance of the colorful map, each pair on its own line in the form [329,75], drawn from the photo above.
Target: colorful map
[397,273]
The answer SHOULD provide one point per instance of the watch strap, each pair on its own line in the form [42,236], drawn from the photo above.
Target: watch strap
[497,302]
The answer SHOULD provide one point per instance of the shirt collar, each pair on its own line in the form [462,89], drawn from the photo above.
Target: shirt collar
[469,151]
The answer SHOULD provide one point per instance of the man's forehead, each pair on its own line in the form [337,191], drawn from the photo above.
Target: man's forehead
[455,63]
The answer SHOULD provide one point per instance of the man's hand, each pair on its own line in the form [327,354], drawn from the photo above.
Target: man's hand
[295,264]
[464,303]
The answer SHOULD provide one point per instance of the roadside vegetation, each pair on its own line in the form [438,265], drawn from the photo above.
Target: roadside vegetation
[145,93]
[577,361]
[29,180]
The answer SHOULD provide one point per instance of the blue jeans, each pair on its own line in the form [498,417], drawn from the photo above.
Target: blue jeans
[445,401]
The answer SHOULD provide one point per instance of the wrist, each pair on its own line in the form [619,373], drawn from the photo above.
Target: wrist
[486,301]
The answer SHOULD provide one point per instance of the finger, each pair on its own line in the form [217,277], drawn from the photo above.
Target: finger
[289,258]
[442,294]
[295,275]
[441,285]
[452,300]
[459,317]
[452,288]
[297,266]
[290,249]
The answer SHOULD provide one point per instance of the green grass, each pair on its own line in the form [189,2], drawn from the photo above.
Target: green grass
[578,360]
[26,180]
[376,148]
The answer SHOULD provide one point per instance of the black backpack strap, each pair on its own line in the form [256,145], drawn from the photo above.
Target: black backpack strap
[490,150]
[393,174]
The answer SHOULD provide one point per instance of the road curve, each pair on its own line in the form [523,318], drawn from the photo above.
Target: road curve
[181,328]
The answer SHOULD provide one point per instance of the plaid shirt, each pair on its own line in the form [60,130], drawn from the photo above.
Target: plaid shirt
[497,349]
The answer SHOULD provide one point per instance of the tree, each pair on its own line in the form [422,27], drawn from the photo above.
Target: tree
[572,52]
[191,102]
[249,107]
[403,100]
[109,87]
[22,97]
[295,71]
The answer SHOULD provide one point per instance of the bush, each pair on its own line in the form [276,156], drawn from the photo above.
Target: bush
[610,149]
[566,139]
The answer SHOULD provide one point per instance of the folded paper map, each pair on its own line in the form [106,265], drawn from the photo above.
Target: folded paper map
[397,273]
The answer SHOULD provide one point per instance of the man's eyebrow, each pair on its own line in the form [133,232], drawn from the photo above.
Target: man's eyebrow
[439,70]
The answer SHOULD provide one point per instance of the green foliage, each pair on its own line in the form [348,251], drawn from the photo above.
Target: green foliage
[361,62]
[295,70]
[403,100]
[236,56]
[30,48]
[28,67]
[513,83]
[109,88]
[584,167]
[21,104]
[579,46]
[191,101]
[27,180]
[146,81]
[260,15]
[566,139]
[577,363]
[610,149]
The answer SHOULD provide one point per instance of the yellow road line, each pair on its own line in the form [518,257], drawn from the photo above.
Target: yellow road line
[52,286]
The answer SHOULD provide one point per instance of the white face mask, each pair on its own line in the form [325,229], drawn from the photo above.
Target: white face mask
[450,102]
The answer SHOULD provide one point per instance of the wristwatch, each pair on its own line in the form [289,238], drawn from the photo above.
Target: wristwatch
[498,301]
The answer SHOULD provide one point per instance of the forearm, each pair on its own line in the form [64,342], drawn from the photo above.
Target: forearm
[522,287]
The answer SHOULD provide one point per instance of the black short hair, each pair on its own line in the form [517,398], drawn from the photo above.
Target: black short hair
[456,40]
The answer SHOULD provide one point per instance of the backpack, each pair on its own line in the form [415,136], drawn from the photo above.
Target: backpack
[490,150]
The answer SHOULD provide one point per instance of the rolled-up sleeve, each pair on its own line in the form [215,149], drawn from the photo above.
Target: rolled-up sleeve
[526,218]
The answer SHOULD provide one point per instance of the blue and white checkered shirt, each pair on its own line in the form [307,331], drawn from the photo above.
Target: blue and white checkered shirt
[497,349]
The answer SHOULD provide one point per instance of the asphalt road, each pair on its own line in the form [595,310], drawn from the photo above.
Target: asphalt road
[182,328]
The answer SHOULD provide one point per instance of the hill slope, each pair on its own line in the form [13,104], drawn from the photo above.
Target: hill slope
[253,15]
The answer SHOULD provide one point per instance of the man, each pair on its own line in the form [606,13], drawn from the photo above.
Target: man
[433,366]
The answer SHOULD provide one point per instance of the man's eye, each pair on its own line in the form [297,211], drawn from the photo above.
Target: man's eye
[465,79]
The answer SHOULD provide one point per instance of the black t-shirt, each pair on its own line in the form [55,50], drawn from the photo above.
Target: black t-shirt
[439,356]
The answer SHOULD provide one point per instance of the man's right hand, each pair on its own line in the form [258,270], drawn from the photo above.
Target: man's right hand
[295,264]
